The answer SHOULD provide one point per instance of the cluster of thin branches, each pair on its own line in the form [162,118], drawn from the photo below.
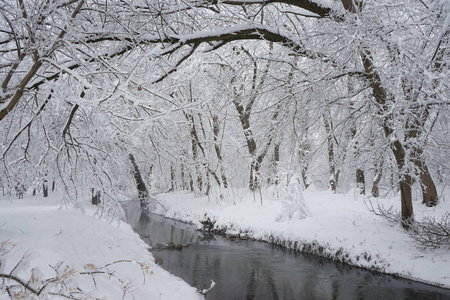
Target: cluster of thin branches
[432,232]
[63,284]
[428,232]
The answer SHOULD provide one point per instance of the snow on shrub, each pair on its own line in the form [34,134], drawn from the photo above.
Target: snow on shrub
[293,203]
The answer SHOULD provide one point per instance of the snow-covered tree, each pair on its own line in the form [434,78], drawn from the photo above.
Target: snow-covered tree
[69,68]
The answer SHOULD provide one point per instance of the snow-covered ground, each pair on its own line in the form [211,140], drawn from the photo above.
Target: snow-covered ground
[40,239]
[338,226]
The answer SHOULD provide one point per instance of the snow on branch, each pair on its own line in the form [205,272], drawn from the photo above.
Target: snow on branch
[175,42]
[316,8]
[311,6]
[237,33]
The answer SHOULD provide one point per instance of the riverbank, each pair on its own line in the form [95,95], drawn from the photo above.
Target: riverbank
[337,226]
[78,255]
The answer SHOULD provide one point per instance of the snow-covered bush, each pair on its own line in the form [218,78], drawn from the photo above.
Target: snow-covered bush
[293,203]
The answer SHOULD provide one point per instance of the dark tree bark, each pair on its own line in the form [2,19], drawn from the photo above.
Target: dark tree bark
[244,118]
[257,159]
[429,191]
[140,184]
[172,178]
[45,188]
[406,196]
[405,183]
[208,185]
[353,6]
[95,197]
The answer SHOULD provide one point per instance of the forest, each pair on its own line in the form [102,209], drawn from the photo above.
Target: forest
[208,95]
[320,113]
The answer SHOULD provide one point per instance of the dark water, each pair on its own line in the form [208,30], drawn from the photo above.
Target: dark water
[254,270]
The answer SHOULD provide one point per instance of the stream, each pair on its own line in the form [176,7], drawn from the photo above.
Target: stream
[246,269]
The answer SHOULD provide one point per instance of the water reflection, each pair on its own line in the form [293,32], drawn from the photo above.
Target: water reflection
[253,270]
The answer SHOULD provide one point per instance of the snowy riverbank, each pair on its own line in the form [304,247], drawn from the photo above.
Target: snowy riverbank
[339,226]
[104,260]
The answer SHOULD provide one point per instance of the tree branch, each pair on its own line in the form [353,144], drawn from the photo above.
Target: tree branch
[69,121]
[308,5]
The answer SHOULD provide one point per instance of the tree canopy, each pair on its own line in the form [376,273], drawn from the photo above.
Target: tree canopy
[198,91]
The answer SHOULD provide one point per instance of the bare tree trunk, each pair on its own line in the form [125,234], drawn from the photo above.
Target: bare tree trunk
[208,185]
[172,178]
[254,183]
[183,179]
[376,180]
[303,152]
[360,181]
[405,184]
[45,188]
[217,148]
[194,147]
[191,183]
[140,184]
[331,160]
[244,117]
[304,177]
[257,159]
[199,179]
[95,197]
[273,178]
[150,176]
[406,200]
[429,191]
[276,161]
